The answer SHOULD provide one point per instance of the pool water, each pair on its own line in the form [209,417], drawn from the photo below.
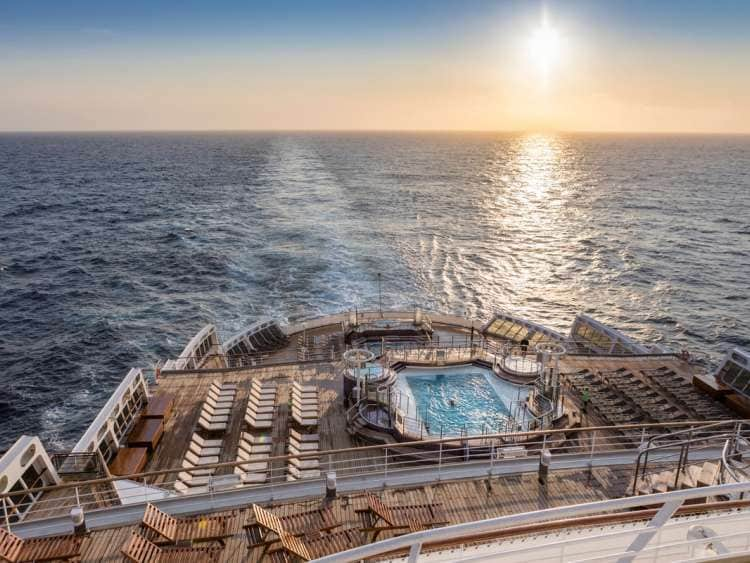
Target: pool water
[454,401]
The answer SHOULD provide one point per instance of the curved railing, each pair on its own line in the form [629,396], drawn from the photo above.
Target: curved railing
[669,503]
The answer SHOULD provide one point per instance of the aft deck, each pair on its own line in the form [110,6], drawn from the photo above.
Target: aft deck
[463,501]
[348,454]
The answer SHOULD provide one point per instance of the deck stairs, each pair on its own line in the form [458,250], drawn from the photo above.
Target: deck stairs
[691,476]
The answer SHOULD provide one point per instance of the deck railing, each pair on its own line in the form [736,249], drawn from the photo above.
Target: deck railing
[369,466]
[592,545]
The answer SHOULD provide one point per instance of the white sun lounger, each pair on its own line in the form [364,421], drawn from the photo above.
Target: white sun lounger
[203,443]
[253,439]
[305,413]
[298,417]
[304,388]
[188,488]
[305,463]
[211,411]
[193,470]
[309,410]
[211,426]
[294,473]
[260,402]
[203,452]
[197,460]
[218,402]
[305,400]
[258,423]
[300,437]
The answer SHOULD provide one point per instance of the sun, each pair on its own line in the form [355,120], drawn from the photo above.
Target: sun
[544,48]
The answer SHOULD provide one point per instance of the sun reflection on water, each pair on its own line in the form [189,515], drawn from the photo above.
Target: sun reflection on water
[538,163]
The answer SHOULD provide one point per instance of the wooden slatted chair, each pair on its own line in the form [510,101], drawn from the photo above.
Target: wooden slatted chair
[201,528]
[266,528]
[140,550]
[309,548]
[413,517]
[15,549]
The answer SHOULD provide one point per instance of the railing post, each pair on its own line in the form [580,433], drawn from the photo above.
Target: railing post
[145,491]
[593,445]
[385,471]
[440,460]
[5,513]
[414,552]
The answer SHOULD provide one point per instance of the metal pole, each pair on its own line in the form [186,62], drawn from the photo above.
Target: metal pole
[5,512]
[380,295]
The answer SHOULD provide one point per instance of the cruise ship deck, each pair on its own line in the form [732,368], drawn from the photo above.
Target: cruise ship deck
[313,415]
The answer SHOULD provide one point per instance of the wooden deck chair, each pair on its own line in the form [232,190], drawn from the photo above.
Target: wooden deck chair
[414,517]
[265,527]
[201,528]
[309,548]
[140,550]
[15,549]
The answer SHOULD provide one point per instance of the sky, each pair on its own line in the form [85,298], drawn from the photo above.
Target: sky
[606,65]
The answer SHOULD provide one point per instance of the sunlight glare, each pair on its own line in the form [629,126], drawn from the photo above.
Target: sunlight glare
[544,48]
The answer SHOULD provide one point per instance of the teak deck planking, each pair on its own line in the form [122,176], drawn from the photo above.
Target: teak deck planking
[463,501]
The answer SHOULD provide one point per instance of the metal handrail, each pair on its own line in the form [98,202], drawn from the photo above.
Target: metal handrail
[649,446]
[414,542]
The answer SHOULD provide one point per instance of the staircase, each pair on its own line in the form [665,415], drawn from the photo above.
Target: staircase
[692,476]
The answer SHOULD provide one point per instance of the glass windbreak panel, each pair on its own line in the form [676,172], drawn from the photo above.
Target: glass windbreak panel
[729,373]
[602,340]
[741,381]
[31,477]
[22,500]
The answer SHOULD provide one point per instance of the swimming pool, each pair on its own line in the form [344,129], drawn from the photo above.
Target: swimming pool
[457,398]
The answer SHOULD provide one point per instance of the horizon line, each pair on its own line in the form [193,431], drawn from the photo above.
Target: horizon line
[284,130]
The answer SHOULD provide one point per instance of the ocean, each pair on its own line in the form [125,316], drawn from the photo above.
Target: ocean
[116,248]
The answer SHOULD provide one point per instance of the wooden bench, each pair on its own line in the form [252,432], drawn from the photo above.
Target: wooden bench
[15,549]
[129,461]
